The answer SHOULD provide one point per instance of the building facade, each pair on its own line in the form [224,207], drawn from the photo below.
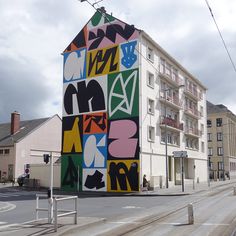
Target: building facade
[221,128]
[23,143]
[124,97]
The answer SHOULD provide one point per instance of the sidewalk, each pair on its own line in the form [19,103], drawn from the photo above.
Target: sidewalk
[65,224]
[188,188]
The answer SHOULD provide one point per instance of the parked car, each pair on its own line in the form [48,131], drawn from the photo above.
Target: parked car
[21,179]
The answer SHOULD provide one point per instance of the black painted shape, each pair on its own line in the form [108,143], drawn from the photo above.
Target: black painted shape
[95,181]
[100,121]
[111,31]
[99,37]
[71,175]
[114,29]
[103,58]
[68,101]
[79,41]
[91,92]
[131,174]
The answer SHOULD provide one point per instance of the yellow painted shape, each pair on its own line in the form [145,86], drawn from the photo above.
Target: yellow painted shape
[97,65]
[72,138]
[128,163]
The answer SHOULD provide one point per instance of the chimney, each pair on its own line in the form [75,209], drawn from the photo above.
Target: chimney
[15,122]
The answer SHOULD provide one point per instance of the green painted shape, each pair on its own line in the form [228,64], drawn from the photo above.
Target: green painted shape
[109,18]
[127,91]
[77,162]
[96,19]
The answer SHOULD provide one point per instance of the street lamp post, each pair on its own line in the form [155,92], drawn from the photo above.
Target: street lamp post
[166,154]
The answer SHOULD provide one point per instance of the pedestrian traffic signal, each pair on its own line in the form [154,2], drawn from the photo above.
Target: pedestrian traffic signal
[46,158]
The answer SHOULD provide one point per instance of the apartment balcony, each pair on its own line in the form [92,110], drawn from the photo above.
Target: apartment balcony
[192,132]
[170,123]
[170,77]
[192,112]
[172,101]
[192,92]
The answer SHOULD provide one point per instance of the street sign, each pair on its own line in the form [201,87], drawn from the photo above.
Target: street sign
[180,154]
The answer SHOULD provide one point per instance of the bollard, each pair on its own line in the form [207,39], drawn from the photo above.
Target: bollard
[234,190]
[190,214]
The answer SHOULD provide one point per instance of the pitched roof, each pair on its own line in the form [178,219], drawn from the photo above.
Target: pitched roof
[26,127]
[80,41]
[220,108]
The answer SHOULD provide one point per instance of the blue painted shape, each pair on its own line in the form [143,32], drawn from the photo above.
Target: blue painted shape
[95,151]
[129,56]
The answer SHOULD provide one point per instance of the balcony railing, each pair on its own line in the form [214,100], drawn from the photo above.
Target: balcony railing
[170,99]
[192,91]
[192,131]
[171,122]
[192,111]
[170,76]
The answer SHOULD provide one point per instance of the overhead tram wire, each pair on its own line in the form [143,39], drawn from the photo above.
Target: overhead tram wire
[221,36]
[109,22]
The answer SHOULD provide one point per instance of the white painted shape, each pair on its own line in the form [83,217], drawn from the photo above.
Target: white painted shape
[74,65]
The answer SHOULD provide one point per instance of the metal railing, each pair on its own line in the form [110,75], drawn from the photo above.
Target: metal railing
[65,212]
[44,196]
[57,199]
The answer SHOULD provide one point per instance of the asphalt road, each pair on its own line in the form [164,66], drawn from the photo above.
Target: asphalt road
[214,212]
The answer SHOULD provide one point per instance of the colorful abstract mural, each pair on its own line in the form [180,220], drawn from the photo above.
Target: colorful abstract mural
[100,130]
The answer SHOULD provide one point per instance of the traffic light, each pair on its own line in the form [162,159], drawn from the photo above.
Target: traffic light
[49,193]
[46,158]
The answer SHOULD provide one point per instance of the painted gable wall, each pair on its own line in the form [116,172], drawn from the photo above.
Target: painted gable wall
[100,133]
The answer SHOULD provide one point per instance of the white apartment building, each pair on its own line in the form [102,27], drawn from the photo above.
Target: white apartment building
[173,106]
[128,105]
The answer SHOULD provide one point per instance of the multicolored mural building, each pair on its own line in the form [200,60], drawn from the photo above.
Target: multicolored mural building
[100,133]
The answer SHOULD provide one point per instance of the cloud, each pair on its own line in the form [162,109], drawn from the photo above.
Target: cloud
[34,33]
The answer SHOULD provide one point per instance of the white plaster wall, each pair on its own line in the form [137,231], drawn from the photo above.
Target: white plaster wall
[42,172]
[201,170]
[157,148]
[44,139]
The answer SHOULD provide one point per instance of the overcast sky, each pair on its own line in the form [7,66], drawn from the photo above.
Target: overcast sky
[34,33]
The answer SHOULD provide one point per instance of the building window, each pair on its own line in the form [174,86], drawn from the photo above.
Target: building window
[163,137]
[208,123]
[202,129]
[6,151]
[168,69]
[220,165]
[187,143]
[211,165]
[150,106]
[203,147]
[218,122]
[201,111]
[150,54]
[169,138]
[210,151]
[219,136]
[219,151]
[209,137]
[1,151]
[175,74]
[151,133]
[150,80]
